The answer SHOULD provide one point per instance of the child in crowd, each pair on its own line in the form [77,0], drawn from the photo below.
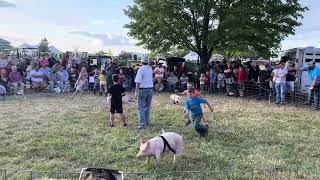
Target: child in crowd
[242,77]
[96,84]
[193,106]
[103,82]
[202,82]
[183,82]
[116,91]
[221,81]
[79,85]
[121,77]
[64,79]
[73,77]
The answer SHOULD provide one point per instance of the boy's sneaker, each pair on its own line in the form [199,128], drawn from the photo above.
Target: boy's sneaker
[112,125]
[124,125]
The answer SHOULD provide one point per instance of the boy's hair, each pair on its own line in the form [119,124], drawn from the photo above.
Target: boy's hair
[191,90]
[115,78]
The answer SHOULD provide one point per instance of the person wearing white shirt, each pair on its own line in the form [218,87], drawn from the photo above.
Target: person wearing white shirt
[279,76]
[144,91]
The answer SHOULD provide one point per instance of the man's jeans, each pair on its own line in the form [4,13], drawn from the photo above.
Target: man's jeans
[144,106]
[315,93]
[201,129]
[212,87]
[280,89]
[64,85]
[172,87]
[129,83]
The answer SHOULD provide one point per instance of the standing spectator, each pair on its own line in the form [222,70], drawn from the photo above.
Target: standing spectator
[291,78]
[314,77]
[183,69]
[121,77]
[280,79]
[183,82]
[37,78]
[109,75]
[64,79]
[221,81]
[144,89]
[16,80]
[242,77]
[229,81]
[263,81]
[44,61]
[103,82]
[207,80]
[52,61]
[96,85]
[213,80]
[129,74]
[172,80]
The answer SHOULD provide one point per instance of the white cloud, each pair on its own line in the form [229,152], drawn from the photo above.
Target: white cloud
[97,22]
[6,4]
[107,39]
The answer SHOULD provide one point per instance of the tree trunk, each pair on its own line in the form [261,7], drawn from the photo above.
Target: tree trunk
[204,59]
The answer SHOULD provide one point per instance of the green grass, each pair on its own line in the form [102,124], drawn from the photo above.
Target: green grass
[55,133]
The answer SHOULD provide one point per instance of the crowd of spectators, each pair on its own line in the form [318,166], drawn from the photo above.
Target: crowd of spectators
[232,79]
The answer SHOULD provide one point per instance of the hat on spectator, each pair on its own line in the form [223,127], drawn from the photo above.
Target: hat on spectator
[145,59]
[311,62]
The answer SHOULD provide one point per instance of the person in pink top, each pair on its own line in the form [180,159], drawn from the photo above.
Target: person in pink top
[242,77]
[16,80]
[44,61]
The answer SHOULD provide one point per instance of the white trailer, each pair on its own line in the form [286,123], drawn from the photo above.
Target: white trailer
[301,57]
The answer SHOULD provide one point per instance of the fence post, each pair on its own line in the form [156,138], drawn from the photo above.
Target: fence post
[5,174]
[31,175]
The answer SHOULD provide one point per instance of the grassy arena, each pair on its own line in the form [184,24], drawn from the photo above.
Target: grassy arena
[56,133]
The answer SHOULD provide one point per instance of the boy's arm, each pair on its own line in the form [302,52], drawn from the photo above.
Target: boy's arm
[210,107]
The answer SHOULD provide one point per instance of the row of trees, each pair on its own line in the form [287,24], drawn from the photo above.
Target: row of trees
[228,27]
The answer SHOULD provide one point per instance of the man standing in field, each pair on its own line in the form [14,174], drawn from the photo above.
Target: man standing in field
[144,92]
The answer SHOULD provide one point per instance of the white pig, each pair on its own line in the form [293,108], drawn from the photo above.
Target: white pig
[155,146]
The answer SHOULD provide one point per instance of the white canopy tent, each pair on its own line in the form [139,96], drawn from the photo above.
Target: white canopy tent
[194,57]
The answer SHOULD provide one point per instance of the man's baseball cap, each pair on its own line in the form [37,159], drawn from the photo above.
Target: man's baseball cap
[145,59]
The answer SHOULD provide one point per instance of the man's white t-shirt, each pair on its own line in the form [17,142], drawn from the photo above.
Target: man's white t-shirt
[145,77]
[280,72]
[34,72]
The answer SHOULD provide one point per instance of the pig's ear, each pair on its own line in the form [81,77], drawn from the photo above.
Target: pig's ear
[142,141]
[148,145]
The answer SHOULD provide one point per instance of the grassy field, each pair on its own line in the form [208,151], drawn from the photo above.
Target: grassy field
[55,133]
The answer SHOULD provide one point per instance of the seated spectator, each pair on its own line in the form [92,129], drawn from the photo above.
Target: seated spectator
[64,79]
[44,61]
[45,71]
[85,75]
[172,80]
[54,78]
[37,79]
[74,74]
[16,81]
[183,82]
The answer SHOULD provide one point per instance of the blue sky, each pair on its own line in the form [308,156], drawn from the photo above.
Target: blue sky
[93,25]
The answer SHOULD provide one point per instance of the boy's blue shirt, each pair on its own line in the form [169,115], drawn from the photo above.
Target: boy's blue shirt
[193,105]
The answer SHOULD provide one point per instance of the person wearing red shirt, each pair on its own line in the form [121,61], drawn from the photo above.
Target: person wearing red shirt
[242,77]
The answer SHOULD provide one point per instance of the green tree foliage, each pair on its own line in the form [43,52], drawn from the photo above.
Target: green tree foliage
[44,46]
[204,26]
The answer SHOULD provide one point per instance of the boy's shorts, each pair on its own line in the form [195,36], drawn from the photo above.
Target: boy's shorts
[116,108]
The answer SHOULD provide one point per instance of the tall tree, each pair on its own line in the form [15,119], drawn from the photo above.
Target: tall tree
[207,25]
[43,46]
